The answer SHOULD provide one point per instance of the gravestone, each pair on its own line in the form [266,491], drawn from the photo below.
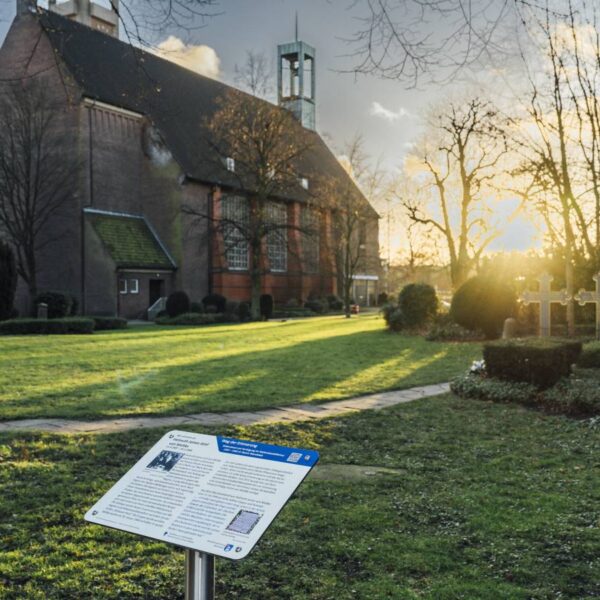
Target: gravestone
[510,329]
[545,297]
[42,310]
[585,297]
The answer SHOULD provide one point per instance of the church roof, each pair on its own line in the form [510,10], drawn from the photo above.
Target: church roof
[178,101]
[130,240]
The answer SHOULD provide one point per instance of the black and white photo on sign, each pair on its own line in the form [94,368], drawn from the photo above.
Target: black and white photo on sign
[165,461]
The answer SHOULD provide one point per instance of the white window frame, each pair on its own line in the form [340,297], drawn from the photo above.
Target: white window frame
[134,286]
[304,182]
[277,239]
[230,164]
[237,210]
[122,286]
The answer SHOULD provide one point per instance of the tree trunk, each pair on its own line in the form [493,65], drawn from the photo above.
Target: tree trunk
[256,280]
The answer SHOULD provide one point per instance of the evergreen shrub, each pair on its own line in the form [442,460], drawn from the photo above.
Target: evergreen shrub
[8,281]
[394,317]
[590,356]
[418,303]
[266,306]
[216,302]
[177,304]
[483,303]
[59,304]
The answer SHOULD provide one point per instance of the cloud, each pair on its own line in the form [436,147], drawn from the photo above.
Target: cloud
[201,59]
[378,110]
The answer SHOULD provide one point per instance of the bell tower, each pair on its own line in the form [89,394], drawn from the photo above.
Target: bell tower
[89,13]
[296,83]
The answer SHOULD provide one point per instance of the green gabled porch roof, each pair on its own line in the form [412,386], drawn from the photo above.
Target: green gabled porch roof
[130,240]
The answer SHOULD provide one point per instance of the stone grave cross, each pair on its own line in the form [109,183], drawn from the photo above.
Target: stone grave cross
[584,297]
[545,298]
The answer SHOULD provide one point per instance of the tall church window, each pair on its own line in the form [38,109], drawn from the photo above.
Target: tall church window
[276,217]
[235,215]
[309,223]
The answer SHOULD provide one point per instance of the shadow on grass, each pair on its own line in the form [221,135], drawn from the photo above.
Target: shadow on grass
[315,370]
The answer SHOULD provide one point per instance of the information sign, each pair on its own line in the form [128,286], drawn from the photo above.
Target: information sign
[211,494]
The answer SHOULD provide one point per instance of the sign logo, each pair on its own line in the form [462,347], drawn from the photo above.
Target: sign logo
[228,548]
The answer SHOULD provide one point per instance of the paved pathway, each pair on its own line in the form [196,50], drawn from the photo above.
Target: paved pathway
[288,414]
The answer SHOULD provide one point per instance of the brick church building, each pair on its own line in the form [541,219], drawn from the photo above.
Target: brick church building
[136,123]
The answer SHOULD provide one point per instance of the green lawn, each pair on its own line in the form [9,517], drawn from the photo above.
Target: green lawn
[487,501]
[159,370]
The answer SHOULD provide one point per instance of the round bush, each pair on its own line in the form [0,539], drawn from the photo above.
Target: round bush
[178,303]
[196,307]
[266,306]
[8,280]
[483,303]
[394,317]
[382,299]
[216,301]
[335,302]
[59,304]
[244,312]
[317,305]
[418,303]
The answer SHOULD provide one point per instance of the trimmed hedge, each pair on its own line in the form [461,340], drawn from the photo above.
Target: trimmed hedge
[590,356]
[541,362]
[108,323]
[196,319]
[46,326]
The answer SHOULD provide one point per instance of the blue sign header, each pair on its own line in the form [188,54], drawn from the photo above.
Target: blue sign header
[291,456]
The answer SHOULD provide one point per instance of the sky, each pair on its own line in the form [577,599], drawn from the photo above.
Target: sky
[386,113]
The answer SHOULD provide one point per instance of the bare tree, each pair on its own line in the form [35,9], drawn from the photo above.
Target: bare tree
[558,139]
[351,216]
[258,150]
[457,162]
[254,75]
[407,40]
[36,179]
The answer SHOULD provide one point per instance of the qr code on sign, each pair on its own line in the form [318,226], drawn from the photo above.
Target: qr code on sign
[294,457]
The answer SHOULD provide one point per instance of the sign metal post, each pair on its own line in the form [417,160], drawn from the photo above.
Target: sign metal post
[199,575]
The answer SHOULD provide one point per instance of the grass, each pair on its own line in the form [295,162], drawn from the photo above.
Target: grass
[486,501]
[170,370]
